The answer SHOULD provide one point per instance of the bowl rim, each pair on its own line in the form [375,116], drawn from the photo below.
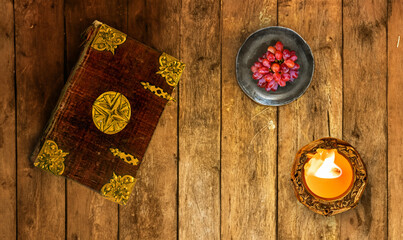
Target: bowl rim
[301,92]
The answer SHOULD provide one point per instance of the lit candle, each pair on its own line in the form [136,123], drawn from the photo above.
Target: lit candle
[328,174]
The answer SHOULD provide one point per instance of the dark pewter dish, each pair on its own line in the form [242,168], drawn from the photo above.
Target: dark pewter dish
[255,46]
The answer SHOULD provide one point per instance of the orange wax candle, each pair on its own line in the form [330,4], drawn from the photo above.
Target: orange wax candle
[328,174]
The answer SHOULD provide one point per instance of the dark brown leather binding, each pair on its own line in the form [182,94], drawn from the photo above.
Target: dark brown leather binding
[107,112]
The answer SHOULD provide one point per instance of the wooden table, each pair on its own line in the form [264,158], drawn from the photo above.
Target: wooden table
[219,164]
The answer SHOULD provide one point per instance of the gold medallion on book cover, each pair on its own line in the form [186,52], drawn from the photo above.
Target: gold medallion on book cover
[111,112]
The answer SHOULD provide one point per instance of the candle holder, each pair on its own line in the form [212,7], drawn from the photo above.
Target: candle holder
[342,203]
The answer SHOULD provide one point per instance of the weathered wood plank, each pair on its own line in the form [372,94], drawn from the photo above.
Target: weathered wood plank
[316,114]
[152,211]
[365,112]
[80,14]
[199,121]
[395,119]
[7,124]
[39,38]
[249,135]
[89,215]
[137,20]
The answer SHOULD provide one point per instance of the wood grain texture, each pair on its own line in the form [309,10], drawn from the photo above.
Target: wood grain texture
[137,24]
[7,124]
[249,135]
[152,211]
[395,119]
[315,115]
[199,121]
[365,112]
[80,14]
[189,186]
[89,215]
[39,40]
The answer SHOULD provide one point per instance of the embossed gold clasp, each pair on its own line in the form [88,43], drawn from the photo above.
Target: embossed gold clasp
[157,91]
[51,158]
[130,159]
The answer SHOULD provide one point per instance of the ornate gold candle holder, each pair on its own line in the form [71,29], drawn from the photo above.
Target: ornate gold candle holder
[326,206]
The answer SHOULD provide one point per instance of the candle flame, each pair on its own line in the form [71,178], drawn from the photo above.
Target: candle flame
[323,168]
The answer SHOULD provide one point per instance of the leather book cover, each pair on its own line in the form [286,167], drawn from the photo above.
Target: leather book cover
[107,112]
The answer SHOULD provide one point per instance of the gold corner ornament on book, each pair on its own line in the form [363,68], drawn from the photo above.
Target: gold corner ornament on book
[51,158]
[130,159]
[107,113]
[170,68]
[108,39]
[111,112]
[119,188]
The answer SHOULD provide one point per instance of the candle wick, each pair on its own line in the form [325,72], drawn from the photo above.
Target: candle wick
[329,169]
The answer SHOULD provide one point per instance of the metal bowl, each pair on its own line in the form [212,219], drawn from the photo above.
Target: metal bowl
[255,46]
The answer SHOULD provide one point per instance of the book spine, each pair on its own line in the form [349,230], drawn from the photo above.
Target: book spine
[88,36]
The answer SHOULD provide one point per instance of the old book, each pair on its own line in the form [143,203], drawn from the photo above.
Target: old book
[107,112]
